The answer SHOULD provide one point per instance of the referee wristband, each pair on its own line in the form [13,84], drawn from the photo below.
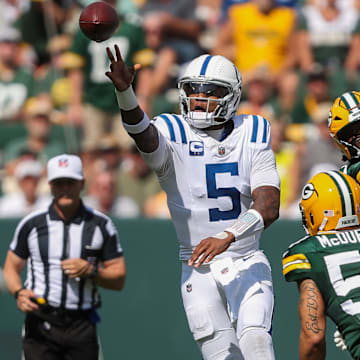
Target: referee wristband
[17,292]
[139,127]
[126,99]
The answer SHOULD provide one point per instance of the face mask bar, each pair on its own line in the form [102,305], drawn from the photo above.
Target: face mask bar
[303,219]
[346,134]
[206,117]
[210,90]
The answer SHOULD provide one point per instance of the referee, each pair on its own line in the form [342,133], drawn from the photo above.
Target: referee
[69,250]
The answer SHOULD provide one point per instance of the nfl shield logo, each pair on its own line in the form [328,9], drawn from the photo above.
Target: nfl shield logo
[225,271]
[188,288]
[63,163]
[221,150]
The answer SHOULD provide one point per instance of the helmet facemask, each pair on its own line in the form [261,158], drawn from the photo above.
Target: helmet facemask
[349,140]
[213,92]
[344,124]
[214,84]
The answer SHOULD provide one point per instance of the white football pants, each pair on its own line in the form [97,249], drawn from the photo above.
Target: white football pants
[229,304]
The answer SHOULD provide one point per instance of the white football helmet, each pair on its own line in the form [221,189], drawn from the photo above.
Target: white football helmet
[213,76]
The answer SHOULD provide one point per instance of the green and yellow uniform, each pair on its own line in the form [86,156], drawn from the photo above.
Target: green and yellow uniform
[332,261]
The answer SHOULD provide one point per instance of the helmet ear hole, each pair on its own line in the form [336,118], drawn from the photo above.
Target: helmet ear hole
[312,219]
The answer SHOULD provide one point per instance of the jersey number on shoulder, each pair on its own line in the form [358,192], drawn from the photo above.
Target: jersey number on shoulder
[343,286]
[214,192]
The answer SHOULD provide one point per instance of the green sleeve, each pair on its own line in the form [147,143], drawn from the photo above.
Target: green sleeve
[357,28]
[296,265]
[80,44]
[302,23]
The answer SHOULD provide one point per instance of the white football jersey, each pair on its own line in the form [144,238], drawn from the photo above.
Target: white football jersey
[208,182]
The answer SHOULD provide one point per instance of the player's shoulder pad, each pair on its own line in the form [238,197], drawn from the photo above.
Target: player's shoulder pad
[172,126]
[293,247]
[295,258]
[257,128]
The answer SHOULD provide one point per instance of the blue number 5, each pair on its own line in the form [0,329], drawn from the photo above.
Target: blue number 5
[216,214]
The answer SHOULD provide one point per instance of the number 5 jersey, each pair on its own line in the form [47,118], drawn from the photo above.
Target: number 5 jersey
[209,182]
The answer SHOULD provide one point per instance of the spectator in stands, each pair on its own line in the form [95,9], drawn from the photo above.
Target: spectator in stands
[257,93]
[50,76]
[258,35]
[316,93]
[104,198]
[38,140]
[28,174]
[105,156]
[10,11]
[16,82]
[172,30]
[135,179]
[40,22]
[155,206]
[226,4]
[327,31]
[317,153]
[285,161]
[93,104]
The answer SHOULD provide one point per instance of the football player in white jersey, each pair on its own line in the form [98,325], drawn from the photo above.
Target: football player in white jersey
[222,189]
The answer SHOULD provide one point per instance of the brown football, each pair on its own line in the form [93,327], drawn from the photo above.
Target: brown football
[98,21]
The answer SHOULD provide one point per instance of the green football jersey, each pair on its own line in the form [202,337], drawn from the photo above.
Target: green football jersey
[98,89]
[352,168]
[332,260]
[14,93]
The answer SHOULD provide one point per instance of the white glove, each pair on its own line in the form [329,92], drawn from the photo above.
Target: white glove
[339,340]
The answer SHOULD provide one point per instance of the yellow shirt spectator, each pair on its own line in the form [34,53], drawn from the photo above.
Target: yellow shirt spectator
[260,39]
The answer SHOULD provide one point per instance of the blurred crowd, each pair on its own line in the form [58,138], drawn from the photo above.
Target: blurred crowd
[295,57]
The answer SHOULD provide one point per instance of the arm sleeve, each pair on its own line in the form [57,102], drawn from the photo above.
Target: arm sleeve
[160,160]
[296,265]
[302,22]
[112,247]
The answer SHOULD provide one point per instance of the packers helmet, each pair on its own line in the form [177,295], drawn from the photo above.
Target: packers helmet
[330,201]
[344,123]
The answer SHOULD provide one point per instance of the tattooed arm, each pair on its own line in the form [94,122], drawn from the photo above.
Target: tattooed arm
[313,322]
[267,202]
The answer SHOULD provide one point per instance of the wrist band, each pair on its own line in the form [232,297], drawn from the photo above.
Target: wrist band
[247,224]
[16,293]
[222,235]
[126,99]
[139,127]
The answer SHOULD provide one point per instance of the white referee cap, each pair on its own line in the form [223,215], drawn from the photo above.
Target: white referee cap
[65,166]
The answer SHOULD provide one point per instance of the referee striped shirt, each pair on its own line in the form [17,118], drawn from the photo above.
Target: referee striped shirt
[44,239]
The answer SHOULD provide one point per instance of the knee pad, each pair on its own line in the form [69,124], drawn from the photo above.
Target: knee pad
[257,311]
[256,343]
[204,321]
[213,331]
[222,345]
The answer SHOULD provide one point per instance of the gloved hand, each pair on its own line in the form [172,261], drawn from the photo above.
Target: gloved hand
[339,340]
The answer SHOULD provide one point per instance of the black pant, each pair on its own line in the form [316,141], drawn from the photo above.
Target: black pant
[74,340]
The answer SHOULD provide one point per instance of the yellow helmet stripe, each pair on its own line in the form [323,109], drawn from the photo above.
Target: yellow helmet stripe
[346,196]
